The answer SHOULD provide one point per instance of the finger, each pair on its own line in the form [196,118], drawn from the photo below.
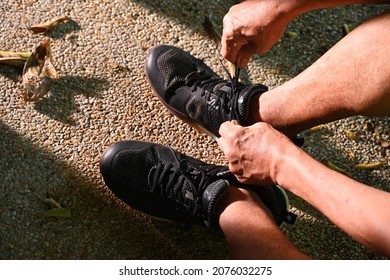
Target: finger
[232,42]
[236,170]
[242,62]
[245,54]
[224,128]
[229,50]
[228,127]
[225,147]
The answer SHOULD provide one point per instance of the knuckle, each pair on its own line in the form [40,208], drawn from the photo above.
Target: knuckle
[236,170]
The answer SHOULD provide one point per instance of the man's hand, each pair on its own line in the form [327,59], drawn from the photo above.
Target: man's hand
[252,27]
[253,152]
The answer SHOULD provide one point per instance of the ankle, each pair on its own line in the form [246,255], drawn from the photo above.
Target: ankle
[254,111]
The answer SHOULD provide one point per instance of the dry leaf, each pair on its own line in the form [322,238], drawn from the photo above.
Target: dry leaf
[351,135]
[373,165]
[17,59]
[57,212]
[316,128]
[347,28]
[53,195]
[292,35]
[334,167]
[52,203]
[44,27]
[39,72]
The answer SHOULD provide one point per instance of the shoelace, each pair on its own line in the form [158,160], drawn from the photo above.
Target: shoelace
[229,91]
[169,182]
[229,101]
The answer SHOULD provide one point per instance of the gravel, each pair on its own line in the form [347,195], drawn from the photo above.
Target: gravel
[52,147]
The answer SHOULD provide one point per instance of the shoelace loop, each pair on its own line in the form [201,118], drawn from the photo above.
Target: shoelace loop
[169,182]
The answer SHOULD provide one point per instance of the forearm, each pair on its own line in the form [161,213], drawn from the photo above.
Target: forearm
[359,210]
[297,7]
[354,80]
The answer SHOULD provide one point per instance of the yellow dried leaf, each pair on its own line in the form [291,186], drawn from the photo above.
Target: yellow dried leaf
[350,134]
[44,27]
[334,167]
[373,165]
[53,195]
[316,128]
[39,72]
[57,212]
[347,28]
[351,155]
[21,55]
[52,203]
[17,59]
[292,35]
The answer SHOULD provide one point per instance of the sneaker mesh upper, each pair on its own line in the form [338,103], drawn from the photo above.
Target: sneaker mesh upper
[175,74]
[209,99]
[126,161]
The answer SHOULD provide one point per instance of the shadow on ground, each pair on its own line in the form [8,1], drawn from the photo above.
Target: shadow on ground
[310,41]
[130,234]
[127,235]
[60,104]
[32,172]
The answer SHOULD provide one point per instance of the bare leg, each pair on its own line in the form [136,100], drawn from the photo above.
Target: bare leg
[352,78]
[250,230]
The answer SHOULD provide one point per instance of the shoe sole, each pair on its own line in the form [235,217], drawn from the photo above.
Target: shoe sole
[176,113]
[290,218]
[284,194]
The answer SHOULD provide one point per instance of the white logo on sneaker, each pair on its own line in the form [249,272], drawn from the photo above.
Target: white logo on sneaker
[212,102]
[189,195]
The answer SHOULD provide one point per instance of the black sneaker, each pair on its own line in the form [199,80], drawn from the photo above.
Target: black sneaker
[194,92]
[168,185]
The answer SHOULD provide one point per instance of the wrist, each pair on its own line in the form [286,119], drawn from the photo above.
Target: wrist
[289,10]
[286,163]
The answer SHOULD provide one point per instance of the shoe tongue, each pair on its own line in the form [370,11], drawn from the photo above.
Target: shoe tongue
[210,200]
[245,95]
[223,87]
